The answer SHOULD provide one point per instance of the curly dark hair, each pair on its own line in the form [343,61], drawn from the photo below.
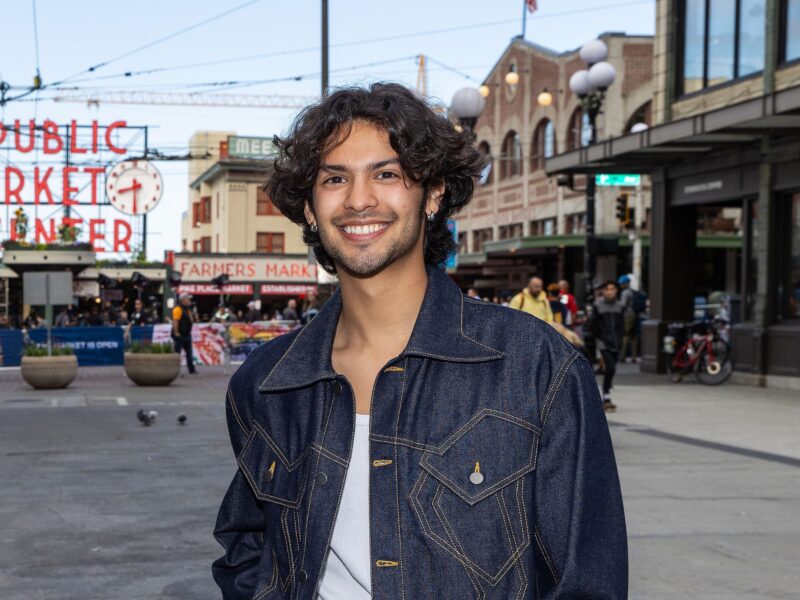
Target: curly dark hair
[431,150]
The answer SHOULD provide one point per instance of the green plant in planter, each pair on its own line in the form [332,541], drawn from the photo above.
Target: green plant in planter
[150,348]
[33,350]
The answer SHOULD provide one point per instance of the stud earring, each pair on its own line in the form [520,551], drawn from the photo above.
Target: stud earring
[313,227]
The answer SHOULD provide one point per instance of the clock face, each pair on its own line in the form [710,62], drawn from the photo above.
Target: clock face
[134,187]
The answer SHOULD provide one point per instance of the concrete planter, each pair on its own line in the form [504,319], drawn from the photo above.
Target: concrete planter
[152,369]
[49,372]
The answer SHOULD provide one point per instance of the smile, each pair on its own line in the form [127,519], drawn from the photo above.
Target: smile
[364,230]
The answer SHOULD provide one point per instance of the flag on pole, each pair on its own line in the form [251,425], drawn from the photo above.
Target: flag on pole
[531,4]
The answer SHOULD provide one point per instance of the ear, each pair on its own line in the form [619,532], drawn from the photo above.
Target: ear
[309,214]
[435,194]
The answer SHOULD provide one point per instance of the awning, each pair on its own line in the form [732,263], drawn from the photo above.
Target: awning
[738,125]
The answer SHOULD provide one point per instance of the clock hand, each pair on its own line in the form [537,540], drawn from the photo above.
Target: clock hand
[135,185]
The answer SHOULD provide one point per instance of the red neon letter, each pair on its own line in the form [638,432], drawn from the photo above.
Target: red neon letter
[95,171]
[31,138]
[14,192]
[51,135]
[42,236]
[119,240]
[95,235]
[109,143]
[40,185]
[66,195]
[73,139]
[69,222]
[95,129]
[2,132]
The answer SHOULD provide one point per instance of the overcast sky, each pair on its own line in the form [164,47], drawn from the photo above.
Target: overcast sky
[465,35]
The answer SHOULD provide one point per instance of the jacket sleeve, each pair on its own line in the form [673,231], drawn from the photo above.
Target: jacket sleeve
[240,523]
[580,537]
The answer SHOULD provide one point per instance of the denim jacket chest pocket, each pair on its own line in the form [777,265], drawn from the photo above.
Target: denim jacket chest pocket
[470,496]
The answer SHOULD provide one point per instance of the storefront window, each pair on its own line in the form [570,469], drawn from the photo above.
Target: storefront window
[722,40]
[480,237]
[790,269]
[792,30]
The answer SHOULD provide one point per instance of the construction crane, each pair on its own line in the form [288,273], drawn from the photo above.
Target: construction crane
[422,75]
[185,99]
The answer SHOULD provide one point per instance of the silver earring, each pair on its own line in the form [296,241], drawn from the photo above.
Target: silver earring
[431,216]
[313,227]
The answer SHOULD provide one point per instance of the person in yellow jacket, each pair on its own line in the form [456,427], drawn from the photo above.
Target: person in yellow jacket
[533,300]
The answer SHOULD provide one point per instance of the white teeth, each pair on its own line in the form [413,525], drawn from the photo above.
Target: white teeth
[364,229]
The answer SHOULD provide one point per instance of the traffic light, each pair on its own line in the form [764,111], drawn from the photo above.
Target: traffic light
[623,215]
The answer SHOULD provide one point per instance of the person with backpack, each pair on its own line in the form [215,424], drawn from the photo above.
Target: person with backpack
[533,300]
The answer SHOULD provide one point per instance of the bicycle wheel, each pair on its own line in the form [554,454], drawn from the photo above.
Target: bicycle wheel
[717,371]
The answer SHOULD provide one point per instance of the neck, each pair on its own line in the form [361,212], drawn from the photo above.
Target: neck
[379,312]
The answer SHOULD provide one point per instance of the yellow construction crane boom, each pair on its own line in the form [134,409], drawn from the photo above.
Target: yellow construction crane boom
[185,99]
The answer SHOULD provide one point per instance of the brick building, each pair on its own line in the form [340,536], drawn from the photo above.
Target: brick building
[520,221]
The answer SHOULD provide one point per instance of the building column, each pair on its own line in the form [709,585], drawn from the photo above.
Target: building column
[672,251]
[764,229]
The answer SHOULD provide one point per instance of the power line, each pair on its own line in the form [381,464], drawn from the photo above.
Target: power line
[160,40]
[362,42]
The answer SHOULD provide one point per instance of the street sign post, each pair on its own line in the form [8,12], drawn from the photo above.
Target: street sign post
[619,179]
[48,288]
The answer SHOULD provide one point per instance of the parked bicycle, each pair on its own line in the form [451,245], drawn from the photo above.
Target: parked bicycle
[698,348]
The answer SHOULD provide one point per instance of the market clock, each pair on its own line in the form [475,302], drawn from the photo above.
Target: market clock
[134,187]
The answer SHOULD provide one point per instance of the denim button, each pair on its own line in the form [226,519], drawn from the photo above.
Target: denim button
[302,577]
[337,388]
[476,478]
[321,478]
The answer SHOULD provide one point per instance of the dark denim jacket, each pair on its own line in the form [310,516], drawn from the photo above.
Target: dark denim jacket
[479,388]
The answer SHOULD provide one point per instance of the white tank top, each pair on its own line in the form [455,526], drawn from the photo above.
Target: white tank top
[347,572]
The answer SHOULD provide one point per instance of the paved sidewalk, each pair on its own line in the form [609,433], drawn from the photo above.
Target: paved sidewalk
[94,506]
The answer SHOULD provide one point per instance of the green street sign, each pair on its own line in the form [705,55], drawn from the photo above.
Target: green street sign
[623,179]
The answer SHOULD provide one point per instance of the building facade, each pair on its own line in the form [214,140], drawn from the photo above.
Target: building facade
[232,227]
[520,221]
[723,152]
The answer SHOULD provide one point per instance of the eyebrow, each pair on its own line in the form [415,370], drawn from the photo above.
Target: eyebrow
[370,167]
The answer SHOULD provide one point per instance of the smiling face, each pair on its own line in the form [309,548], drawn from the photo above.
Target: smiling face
[369,214]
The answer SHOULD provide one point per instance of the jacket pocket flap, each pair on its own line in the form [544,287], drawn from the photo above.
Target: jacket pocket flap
[491,451]
[269,473]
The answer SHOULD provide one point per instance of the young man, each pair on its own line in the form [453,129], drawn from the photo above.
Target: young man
[533,300]
[409,442]
[607,326]
[182,321]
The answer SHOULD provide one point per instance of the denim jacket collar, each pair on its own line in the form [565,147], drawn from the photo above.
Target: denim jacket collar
[438,333]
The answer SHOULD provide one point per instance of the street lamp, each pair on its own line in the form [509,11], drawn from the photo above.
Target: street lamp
[590,86]
[467,105]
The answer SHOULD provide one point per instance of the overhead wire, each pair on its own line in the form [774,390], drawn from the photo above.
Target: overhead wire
[158,41]
[363,41]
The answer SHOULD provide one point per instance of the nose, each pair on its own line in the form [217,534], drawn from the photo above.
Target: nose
[361,195]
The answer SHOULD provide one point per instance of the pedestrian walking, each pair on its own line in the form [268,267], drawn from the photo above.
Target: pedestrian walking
[139,317]
[253,314]
[635,302]
[409,442]
[569,301]
[558,308]
[607,327]
[182,321]
[290,312]
[533,300]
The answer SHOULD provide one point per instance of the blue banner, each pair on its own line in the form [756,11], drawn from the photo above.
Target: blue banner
[11,343]
[93,346]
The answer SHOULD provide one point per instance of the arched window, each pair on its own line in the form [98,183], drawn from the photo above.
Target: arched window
[579,132]
[486,173]
[544,144]
[643,114]
[511,156]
